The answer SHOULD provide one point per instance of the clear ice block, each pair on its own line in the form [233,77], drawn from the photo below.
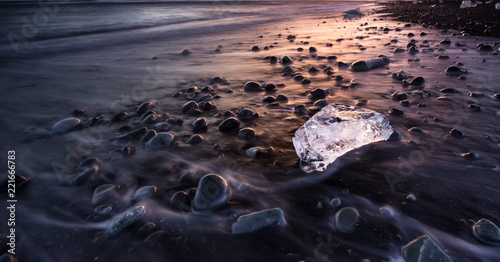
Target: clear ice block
[336,130]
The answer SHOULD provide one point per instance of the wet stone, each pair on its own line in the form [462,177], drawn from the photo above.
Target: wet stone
[457,133]
[485,48]
[455,71]
[195,139]
[150,134]
[424,249]
[400,75]
[399,96]
[144,107]
[269,99]
[84,176]
[188,106]
[163,127]
[144,192]
[125,220]
[156,238]
[66,125]
[477,95]
[246,113]
[418,81]
[103,193]
[300,109]
[470,156]
[254,221]
[119,117]
[150,119]
[448,90]
[89,162]
[475,108]
[229,125]
[486,231]
[416,130]
[208,106]
[405,103]
[396,112]
[181,201]
[281,98]
[161,140]
[200,125]
[270,87]
[255,48]
[497,95]
[320,103]
[318,93]
[286,60]
[246,133]
[254,152]
[128,150]
[306,81]
[252,87]
[213,192]
[186,52]
[346,219]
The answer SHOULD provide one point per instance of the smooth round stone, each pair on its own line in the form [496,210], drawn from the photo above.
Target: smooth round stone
[253,152]
[281,98]
[457,133]
[477,95]
[485,48]
[208,106]
[161,140]
[103,209]
[180,200]
[252,87]
[300,109]
[405,103]
[213,192]
[318,93]
[257,220]
[66,125]
[312,49]
[205,98]
[418,81]
[448,90]
[104,192]
[335,202]
[486,231]
[386,211]
[195,139]
[216,80]
[255,48]
[399,96]
[455,70]
[186,52]
[305,81]
[144,107]
[396,112]
[246,113]
[144,192]
[229,125]
[395,136]
[133,135]
[147,227]
[119,117]
[270,87]
[346,219]
[188,106]
[273,60]
[200,125]
[150,134]
[269,99]
[125,220]
[246,133]
[313,70]
[416,130]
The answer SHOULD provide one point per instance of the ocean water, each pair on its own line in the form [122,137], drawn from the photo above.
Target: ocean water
[108,57]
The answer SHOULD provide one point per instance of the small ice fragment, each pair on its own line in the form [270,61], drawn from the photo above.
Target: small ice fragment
[336,130]
[353,13]
[467,4]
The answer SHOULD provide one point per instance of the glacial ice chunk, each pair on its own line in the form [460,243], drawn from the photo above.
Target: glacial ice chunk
[336,130]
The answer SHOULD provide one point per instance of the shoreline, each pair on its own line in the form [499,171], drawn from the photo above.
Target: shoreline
[482,20]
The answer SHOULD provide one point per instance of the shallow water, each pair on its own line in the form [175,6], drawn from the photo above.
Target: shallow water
[113,70]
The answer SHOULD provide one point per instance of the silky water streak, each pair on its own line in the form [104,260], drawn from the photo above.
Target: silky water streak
[336,130]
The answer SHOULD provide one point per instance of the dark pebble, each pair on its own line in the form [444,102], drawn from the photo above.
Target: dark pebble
[128,150]
[418,81]
[281,98]
[118,117]
[396,112]
[269,99]
[416,130]
[216,80]
[318,93]
[321,103]
[313,49]
[246,113]
[252,87]
[475,108]
[144,107]
[405,103]
[213,192]
[399,96]
[229,125]
[476,95]
[188,106]
[246,133]
[208,106]
[300,109]
[270,87]
[200,125]
[287,70]
[448,90]
[195,139]
[286,60]
[255,48]
[457,133]
[181,201]
[455,70]
[133,135]
[395,135]
[305,81]
[186,52]
[470,156]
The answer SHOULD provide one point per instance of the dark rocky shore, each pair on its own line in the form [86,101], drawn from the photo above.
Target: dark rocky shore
[482,20]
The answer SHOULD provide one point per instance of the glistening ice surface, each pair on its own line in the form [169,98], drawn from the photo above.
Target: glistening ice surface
[336,130]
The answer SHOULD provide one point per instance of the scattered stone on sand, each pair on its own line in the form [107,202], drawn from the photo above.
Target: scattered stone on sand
[270,87]
[150,119]
[395,136]
[213,192]
[103,193]
[200,125]
[424,249]
[405,103]
[85,175]
[485,48]
[128,150]
[418,81]
[66,125]
[400,75]
[346,219]
[477,95]
[386,211]
[246,113]
[448,90]
[144,107]
[365,65]
[229,125]
[186,52]
[181,201]
[318,93]
[455,71]
[195,139]
[300,109]
[161,140]
[150,134]
[254,152]
[89,162]
[268,99]
[416,130]
[320,103]
[306,81]
[254,221]
[396,112]
[246,133]
[125,220]
[252,87]
[163,127]
[457,133]
[281,98]
[144,192]
[470,156]
[188,106]
[486,231]
[285,60]
[399,96]
[475,108]
[119,117]
[255,48]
